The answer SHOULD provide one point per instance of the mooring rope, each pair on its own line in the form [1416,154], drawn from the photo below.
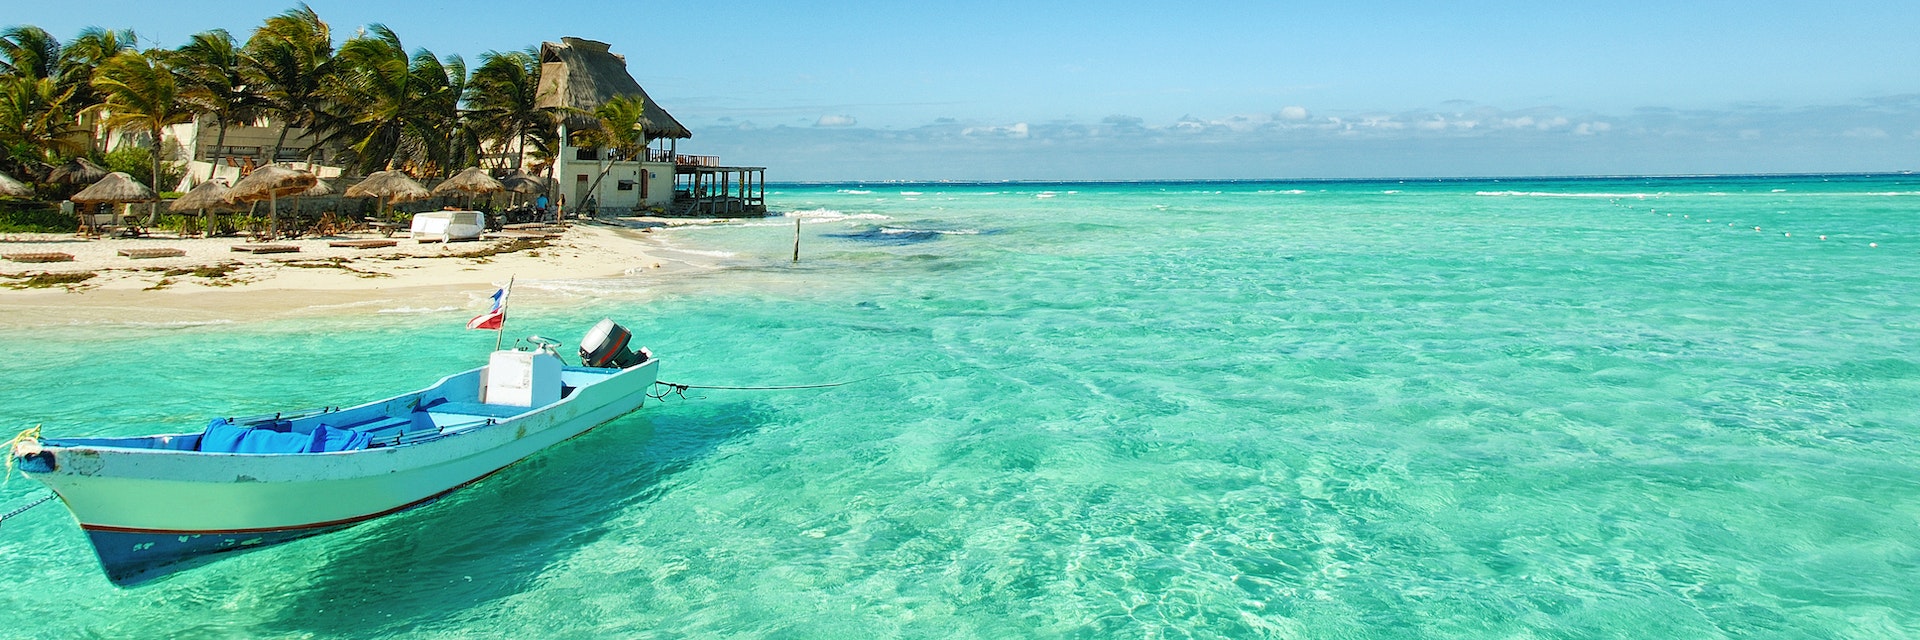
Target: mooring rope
[13,447]
[675,388]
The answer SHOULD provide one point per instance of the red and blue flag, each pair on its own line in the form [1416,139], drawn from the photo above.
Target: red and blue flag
[495,316]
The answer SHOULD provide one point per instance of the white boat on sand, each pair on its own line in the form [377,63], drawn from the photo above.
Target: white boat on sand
[153,505]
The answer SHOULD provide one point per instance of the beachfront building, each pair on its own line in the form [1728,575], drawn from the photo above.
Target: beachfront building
[579,76]
[205,155]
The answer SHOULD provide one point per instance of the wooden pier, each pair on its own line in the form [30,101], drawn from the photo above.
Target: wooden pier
[703,188]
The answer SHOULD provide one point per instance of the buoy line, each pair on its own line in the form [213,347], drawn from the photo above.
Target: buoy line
[1785,234]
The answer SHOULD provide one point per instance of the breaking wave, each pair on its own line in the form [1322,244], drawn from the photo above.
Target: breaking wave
[417,309]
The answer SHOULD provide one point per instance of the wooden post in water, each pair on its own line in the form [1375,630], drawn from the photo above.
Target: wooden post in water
[796,241]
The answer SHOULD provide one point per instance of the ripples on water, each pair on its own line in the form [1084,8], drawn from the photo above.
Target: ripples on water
[1460,409]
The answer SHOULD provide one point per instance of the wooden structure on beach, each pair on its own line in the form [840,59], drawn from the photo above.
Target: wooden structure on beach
[710,190]
[577,76]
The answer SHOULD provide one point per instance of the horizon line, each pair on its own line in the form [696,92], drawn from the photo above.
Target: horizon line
[1672,176]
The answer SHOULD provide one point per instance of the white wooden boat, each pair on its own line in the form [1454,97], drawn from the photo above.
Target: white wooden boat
[153,505]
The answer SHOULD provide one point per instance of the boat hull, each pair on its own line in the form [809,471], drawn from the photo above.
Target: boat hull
[149,513]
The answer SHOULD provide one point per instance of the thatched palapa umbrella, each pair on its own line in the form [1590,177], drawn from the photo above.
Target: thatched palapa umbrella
[211,194]
[12,187]
[391,187]
[473,181]
[520,182]
[208,195]
[116,188]
[320,188]
[269,183]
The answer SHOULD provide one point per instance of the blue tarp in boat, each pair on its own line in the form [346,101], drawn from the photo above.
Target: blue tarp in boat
[222,436]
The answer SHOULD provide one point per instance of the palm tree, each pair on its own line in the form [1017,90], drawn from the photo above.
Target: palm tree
[139,93]
[28,51]
[81,58]
[390,109]
[436,135]
[621,133]
[292,55]
[503,100]
[212,81]
[368,98]
[37,123]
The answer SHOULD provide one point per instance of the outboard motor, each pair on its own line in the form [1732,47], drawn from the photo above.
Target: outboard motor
[605,345]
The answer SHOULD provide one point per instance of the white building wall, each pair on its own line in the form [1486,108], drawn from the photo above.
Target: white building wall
[626,186]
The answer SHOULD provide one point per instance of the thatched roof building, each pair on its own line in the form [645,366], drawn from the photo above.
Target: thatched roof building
[584,74]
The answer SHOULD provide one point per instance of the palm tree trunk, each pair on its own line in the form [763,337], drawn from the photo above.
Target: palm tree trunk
[279,143]
[153,209]
[521,156]
[593,190]
[219,146]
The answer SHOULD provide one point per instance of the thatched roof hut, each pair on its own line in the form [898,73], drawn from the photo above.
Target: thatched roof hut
[472,180]
[584,74]
[12,187]
[115,187]
[211,194]
[77,171]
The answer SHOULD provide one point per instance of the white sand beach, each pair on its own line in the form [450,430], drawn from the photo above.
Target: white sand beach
[212,281]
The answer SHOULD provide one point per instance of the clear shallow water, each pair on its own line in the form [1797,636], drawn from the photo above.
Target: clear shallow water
[1457,409]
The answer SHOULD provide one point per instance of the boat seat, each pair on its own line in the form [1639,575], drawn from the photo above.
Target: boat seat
[479,409]
[383,428]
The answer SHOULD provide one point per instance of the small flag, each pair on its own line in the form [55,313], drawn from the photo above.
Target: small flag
[495,316]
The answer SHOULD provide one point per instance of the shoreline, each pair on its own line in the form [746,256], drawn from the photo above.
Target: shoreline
[213,284]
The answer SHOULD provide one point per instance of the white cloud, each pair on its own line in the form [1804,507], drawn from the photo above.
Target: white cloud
[835,121]
[1293,113]
[1866,132]
[1015,130]
[1382,122]
[1592,128]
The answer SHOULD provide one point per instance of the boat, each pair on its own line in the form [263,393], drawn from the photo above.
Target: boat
[154,505]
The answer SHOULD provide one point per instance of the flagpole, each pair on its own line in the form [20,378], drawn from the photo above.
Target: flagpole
[501,333]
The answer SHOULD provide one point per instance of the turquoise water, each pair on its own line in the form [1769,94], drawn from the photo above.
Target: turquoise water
[1375,409]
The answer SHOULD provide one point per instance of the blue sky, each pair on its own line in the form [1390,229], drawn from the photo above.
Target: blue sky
[1111,90]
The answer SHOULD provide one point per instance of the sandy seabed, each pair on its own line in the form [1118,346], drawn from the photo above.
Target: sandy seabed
[213,282]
